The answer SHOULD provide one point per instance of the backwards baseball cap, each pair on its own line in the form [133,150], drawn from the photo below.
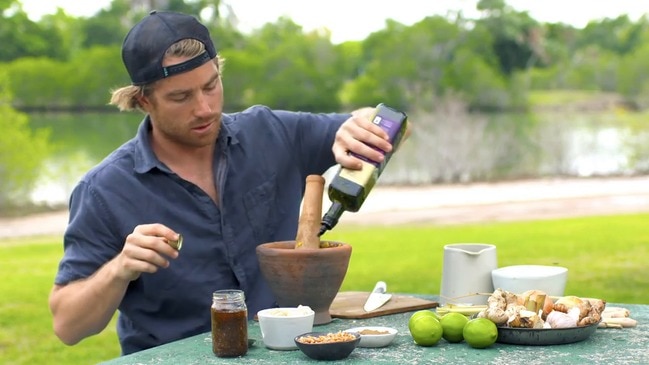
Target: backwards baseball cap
[146,43]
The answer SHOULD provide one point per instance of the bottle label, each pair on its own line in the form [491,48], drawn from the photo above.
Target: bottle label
[362,176]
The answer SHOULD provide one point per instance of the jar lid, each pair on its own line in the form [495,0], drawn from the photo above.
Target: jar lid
[227,295]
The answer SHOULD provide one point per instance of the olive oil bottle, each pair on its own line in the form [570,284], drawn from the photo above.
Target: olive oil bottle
[349,188]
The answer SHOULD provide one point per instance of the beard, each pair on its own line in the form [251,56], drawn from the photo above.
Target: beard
[196,134]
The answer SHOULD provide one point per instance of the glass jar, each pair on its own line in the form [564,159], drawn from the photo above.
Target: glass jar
[229,323]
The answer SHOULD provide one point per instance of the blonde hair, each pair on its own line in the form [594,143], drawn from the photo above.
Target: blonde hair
[125,98]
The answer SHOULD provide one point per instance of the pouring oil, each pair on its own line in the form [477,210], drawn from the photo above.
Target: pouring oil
[349,188]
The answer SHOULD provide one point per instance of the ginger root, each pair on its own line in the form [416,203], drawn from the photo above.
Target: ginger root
[533,308]
[495,311]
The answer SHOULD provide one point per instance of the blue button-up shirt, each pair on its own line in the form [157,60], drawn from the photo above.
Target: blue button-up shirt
[260,164]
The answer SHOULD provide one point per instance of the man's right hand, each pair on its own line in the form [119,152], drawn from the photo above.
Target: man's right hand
[145,251]
[85,307]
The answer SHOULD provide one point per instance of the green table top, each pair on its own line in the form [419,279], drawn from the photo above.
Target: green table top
[605,346]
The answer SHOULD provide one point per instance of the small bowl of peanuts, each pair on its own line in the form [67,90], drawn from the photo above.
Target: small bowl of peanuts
[374,336]
[328,345]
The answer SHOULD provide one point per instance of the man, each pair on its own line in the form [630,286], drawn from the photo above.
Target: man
[226,182]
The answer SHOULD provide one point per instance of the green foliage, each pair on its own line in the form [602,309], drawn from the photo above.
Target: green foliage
[491,62]
[298,69]
[190,7]
[559,43]
[404,65]
[634,76]
[239,75]
[594,69]
[619,35]
[97,70]
[21,37]
[69,30]
[517,39]
[22,151]
[105,29]
[26,335]
[481,85]
[84,80]
[5,4]
[39,81]
[364,90]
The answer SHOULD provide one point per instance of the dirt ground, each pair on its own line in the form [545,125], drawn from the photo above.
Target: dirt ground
[449,204]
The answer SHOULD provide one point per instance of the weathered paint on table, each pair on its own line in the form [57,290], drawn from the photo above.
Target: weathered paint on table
[605,346]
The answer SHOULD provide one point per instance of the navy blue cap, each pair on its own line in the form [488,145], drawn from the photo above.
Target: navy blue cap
[146,43]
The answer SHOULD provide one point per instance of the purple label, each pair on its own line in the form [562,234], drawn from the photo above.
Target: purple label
[390,127]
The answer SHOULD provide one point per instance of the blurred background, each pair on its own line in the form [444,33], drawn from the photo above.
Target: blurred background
[497,90]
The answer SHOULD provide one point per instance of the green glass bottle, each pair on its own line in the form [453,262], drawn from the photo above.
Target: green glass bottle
[349,188]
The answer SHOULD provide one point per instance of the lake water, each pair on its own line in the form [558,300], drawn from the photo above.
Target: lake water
[440,150]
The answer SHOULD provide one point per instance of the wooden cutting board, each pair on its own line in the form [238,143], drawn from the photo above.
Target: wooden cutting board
[350,305]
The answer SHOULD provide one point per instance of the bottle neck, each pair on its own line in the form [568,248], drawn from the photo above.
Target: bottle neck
[330,219]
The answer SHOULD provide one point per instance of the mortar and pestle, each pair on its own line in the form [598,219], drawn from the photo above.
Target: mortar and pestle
[306,271]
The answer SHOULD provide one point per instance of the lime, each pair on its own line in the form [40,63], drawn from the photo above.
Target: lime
[453,325]
[480,333]
[425,330]
[420,313]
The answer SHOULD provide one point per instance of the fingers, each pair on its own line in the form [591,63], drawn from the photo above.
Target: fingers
[357,135]
[345,159]
[158,232]
[146,250]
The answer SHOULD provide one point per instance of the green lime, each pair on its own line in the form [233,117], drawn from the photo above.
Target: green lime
[425,330]
[480,333]
[420,313]
[453,326]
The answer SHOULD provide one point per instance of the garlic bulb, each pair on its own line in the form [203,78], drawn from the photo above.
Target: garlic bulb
[558,319]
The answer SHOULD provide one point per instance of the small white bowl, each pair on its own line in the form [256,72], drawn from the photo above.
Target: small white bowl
[374,336]
[280,326]
[520,278]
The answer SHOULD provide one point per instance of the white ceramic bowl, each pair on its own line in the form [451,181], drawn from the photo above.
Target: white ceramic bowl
[374,336]
[280,326]
[520,278]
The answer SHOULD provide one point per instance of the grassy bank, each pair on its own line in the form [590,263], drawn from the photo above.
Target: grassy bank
[27,267]
[606,257]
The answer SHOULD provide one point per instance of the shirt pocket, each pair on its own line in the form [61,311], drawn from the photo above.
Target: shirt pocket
[261,208]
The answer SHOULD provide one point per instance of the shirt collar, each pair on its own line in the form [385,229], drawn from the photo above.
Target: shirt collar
[145,158]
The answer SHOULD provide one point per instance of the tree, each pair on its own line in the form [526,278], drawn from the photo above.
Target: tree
[21,37]
[39,82]
[518,38]
[619,35]
[22,152]
[634,77]
[69,30]
[294,70]
[109,26]
[404,66]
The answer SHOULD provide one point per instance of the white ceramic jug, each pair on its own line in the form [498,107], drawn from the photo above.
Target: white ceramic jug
[467,271]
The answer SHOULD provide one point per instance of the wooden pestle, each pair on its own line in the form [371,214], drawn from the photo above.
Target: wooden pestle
[309,222]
